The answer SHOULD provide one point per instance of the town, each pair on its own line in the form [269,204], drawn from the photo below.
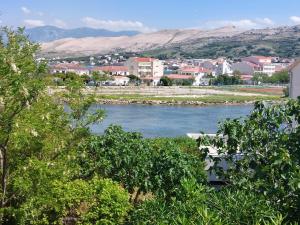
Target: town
[182,72]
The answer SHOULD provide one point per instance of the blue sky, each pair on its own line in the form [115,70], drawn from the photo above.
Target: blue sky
[147,16]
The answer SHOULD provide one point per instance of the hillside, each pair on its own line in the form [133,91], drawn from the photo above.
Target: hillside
[227,41]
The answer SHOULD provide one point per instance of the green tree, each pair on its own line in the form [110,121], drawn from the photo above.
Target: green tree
[99,78]
[55,199]
[198,204]
[21,84]
[269,144]
[33,121]
[139,165]
[165,81]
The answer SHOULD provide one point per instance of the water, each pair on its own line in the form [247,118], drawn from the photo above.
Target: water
[168,121]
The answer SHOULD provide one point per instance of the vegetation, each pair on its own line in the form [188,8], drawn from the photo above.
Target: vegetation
[54,171]
[277,78]
[268,143]
[207,99]
[166,81]
[226,80]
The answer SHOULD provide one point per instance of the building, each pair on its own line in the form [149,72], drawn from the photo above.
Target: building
[198,74]
[224,68]
[193,71]
[258,59]
[113,70]
[245,67]
[264,63]
[294,88]
[69,68]
[120,81]
[149,70]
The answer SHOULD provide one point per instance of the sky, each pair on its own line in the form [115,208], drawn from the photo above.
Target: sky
[150,15]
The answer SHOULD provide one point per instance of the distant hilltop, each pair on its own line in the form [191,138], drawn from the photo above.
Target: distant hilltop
[52,33]
[223,42]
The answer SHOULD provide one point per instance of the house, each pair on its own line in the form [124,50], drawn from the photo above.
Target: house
[149,70]
[193,71]
[224,68]
[113,70]
[198,74]
[264,63]
[294,87]
[69,68]
[246,79]
[258,59]
[246,67]
[120,81]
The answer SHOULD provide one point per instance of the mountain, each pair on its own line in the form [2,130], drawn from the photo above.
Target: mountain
[226,41]
[52,33]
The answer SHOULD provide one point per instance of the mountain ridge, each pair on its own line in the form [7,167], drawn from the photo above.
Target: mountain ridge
[226,41]
[52,33]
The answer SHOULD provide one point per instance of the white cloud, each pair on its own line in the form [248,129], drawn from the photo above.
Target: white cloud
[60,23]
[243,23]
[34,23]
[25,10]
[40,13]
[265,21]
[295,19]
[116,25]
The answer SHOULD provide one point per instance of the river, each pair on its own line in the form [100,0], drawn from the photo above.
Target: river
[168,121]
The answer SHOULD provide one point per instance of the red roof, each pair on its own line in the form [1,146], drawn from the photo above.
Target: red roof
[139,59]
[111,68]
[246,77]
[252,64]
[179,77]
[194,70]
[262,57]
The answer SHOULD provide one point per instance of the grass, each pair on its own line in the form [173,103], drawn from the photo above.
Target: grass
[266,90]
[214,99]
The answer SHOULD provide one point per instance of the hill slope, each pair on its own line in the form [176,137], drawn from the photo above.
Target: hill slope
[227,41]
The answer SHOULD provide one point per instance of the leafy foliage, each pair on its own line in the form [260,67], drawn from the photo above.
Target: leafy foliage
[136,163]
[269,149]
[199,205]
[51,199]
[277,78]
[165,81]
[226,80]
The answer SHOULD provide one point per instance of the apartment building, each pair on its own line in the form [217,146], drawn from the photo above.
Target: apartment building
[295,80]
[149,70]
[263,63]
[69,68]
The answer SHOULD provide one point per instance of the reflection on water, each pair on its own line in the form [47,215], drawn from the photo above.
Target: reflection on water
[168,121]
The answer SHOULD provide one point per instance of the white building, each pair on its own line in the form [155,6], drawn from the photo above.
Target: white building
[113,70]
[295,80]
[69,68]
[265,64]
[148,69]
[224,68]
[198,74]
[120,81]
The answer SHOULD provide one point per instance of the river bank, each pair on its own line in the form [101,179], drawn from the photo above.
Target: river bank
[185,101]
[201,96]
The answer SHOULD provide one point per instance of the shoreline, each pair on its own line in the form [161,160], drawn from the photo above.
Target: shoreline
[175,102]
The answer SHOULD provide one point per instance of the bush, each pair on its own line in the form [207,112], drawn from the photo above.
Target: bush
[197,204]
[137,164]
[269,141]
